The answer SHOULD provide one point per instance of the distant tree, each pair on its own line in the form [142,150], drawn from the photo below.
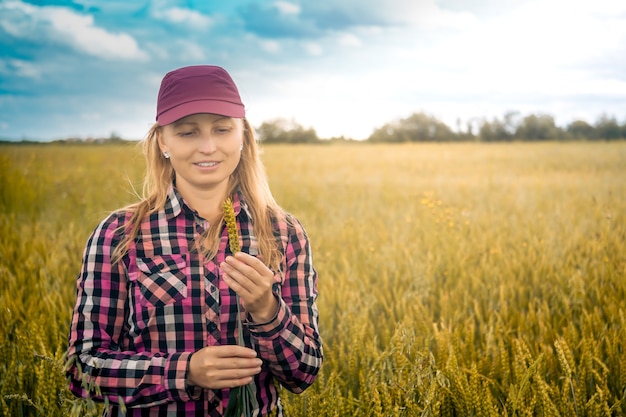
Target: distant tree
[486,131]
[511,122]
[579,129]
[390,132]
[465,130]
[538,127]
[494,131]
[340,139]
[114,136]
[418,127]
[499,130]
[472,129]
[285,131]
[607,128]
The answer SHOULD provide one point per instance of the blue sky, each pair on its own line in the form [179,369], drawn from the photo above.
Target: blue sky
[91,68]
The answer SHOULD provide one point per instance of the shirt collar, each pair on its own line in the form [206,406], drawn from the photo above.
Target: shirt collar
[174,204]
[240,204]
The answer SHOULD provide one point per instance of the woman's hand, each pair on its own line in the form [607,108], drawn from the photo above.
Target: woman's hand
[252,281]
[226,366]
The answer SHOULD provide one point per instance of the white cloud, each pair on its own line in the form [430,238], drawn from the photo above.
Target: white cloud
[182,16]
[270,46]
[348,39]
[20,68]
[425,14]
[64,26]
[429,15]
[543,48]
[313,48]
[80,32]
[286,8]
[600,8]
[157,51]
[91,117]
[189,51]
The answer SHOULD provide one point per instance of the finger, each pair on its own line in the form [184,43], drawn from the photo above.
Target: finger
[249,291]
[223,366]
[256,273]
[239,367]
[255,263]
[248,264]
[234,282]
[231,377]
[241,278]
[239,266]
[231,351]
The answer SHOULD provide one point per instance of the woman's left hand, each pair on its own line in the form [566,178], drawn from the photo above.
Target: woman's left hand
[252,281]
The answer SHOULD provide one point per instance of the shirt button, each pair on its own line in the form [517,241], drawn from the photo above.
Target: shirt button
[211,326]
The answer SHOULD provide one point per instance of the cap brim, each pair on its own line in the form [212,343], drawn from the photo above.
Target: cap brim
[223,108]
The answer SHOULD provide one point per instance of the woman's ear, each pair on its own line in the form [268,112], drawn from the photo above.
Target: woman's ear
[159,139]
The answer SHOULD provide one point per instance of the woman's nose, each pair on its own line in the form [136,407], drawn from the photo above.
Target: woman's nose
[207,144]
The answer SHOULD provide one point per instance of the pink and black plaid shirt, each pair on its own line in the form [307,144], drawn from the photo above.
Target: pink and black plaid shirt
[136,323]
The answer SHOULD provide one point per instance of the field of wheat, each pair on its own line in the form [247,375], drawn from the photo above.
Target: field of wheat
[454,279]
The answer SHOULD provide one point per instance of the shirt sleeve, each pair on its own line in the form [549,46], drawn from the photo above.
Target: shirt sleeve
[290,343]
[97,366]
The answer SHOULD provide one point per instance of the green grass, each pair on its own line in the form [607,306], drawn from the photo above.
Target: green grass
[455,279]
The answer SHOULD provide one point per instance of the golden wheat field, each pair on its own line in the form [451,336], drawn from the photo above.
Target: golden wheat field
[454,279]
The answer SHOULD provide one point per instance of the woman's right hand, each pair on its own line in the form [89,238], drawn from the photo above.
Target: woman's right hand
[218,367]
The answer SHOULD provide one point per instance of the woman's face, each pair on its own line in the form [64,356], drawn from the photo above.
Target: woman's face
[204,150]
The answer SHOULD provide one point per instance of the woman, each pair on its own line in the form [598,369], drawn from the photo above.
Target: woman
[155,321]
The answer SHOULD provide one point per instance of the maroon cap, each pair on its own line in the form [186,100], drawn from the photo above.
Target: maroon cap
[197,89]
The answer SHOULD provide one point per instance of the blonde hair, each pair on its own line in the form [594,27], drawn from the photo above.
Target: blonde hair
[249,177]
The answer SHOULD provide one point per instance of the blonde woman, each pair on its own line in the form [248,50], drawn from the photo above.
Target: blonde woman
[155,320]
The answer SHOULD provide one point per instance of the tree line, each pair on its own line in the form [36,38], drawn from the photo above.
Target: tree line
[421,127]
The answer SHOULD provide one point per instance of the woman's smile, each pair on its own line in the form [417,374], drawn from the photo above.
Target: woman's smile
[207,164]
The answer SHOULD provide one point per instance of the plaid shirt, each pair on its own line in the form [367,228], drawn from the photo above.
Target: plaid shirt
[136,323]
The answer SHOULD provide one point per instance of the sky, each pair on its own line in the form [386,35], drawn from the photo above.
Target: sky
[92,68]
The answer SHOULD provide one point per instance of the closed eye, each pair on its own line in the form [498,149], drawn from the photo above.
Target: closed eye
[223,130]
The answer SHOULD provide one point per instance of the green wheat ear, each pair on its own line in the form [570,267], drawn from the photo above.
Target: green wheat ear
[241,398]
[231,224]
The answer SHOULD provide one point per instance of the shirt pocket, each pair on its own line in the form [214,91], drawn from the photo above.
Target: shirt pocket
[162,280]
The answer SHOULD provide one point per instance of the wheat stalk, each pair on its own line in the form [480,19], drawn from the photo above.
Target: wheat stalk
[240,397]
